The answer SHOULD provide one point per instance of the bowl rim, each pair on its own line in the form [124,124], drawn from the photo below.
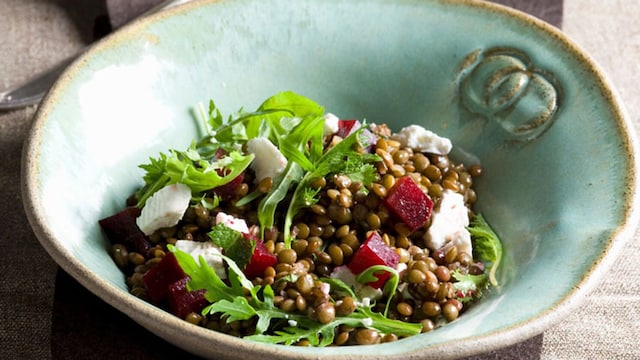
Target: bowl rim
[146,314]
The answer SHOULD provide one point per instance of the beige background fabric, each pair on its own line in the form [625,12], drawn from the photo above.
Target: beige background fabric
[44,314]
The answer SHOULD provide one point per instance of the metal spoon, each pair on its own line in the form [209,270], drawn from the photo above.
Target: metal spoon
[32,92]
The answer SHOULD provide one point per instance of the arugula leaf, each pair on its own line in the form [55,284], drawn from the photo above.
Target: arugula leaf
[343,158]
[204,277]
[232,302]
[189,168]
[486,245]
[238,309]
[339,286]
[269,203]
[390,286]
[319,334]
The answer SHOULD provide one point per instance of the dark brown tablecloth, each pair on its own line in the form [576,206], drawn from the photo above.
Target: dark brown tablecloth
[45,314]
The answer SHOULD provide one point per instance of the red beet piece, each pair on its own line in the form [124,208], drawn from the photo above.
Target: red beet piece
[122,228]
[347,127]
[260,260]
[159,277]
[408,203]
[229,190]
[374,252]
[182,301]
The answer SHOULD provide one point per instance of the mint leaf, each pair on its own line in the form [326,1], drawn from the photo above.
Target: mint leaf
[223,236]
[235,245]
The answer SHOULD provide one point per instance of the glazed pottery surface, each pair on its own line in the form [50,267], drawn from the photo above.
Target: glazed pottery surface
[513,93]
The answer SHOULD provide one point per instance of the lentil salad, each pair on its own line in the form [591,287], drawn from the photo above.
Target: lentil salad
[289,225]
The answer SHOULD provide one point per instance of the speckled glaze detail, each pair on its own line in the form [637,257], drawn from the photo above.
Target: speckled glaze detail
[504,87]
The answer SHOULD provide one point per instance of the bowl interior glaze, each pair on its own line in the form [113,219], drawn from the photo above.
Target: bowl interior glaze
[510,91]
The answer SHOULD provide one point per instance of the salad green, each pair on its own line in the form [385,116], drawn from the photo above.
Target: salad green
[398,285]
[230,301]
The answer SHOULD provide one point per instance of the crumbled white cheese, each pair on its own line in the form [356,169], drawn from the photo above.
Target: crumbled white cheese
[420,139]
[292,323]
[401,268]
[449,223]
[330,124]
[362,291]
[209,252]
[268,161]
[367,321]
[232,222]
[164,208]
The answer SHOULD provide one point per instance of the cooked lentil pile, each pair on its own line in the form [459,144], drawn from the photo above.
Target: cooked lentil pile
[414,283]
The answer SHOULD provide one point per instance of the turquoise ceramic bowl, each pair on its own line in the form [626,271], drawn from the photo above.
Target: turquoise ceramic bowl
[560,183]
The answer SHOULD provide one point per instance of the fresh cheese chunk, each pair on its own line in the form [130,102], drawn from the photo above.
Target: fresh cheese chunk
[449,224]
[330,124]
[269,161]
[209,252]
[232,222]
[420,139]
[164,208]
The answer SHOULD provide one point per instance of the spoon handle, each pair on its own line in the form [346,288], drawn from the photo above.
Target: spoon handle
[31,92]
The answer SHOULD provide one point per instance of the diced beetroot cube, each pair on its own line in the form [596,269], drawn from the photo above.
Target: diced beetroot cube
[347,127]
[408,203]
[229,190]
[182,302]
[121,227]
[374,252]
[260,260]
[159,277]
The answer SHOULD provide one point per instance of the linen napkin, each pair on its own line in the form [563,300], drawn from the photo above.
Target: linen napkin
[122,11]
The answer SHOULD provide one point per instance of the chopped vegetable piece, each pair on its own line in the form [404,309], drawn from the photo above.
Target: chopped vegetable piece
[182,301]
[229,190]
[371,253]
[160,277]
[121,227]
[408,203]
[347,127]
[260,260]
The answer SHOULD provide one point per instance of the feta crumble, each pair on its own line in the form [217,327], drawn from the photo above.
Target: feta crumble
[449,224]
[232,222]
[423,140]
[164,208]
[364,292]
[330,124]
[209,252]
[268,161]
